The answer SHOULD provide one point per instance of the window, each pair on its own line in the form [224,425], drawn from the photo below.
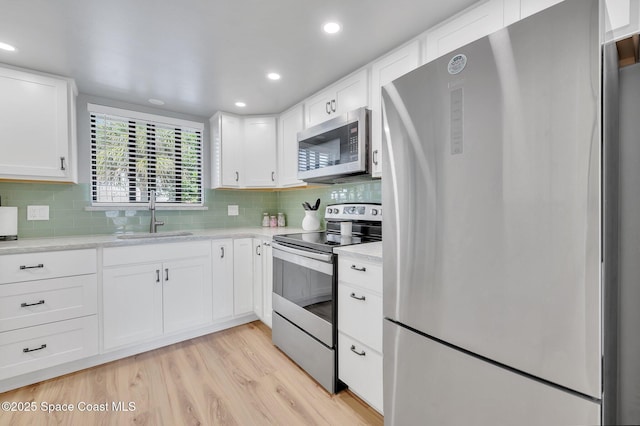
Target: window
[133,153]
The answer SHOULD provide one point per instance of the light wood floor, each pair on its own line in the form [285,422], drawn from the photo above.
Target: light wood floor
[233,377]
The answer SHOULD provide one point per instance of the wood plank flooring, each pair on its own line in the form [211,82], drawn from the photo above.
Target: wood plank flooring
[233,377]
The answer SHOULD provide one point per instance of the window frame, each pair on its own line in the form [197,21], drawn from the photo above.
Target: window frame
[150,121]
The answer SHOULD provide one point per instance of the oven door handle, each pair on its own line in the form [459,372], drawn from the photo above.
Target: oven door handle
[304,253]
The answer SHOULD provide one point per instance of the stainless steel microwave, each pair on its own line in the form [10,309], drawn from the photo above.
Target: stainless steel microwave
[335,150]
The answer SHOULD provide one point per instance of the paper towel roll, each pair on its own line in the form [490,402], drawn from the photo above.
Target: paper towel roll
[8,221]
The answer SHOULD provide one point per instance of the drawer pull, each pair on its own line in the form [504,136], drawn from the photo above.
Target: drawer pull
[157,275]
[355,268]
[353,296]
[353,349]
[166,274]
[38,266]
[24,305]
[26,350]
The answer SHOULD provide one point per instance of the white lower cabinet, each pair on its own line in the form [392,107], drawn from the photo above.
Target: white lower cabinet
[262,279]
[222,265]
[48,310]
[242,276]
[145,300]
[360,327]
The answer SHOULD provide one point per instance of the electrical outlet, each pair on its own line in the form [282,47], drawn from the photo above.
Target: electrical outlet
[37,212]
[233,210]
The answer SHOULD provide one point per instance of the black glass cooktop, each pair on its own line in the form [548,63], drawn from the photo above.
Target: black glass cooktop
[323,241]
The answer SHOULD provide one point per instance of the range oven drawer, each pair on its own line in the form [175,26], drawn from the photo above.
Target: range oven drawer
[314,357]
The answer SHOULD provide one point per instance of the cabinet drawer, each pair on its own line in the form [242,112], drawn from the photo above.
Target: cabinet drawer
[50,264]
[39,302]
[360,318]
[362,373]
[360,272]
[43,346]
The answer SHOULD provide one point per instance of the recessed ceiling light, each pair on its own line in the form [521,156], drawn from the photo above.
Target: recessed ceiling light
[331,27]
[156,101]
[7,47]
[273,76]
[241,104]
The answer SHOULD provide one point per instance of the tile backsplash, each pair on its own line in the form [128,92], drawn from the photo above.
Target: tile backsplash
[67,214]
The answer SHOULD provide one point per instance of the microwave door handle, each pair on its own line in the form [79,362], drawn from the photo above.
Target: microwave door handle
[317,256]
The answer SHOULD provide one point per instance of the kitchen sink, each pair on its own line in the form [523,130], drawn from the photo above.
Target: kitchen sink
[156,235]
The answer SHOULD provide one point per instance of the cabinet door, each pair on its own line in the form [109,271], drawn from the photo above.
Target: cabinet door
[257,278]
[242,276]
[187,293]
[259,152]
[351,93]
[222,267]
[226,134]
[476,22]
[132,304]
[530,7]
[318,108]
[35,121]
[384,71]
[289,124]
[267,281]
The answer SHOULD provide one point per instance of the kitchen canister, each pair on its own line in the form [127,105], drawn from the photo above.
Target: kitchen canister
[265,219]
[310,222]
[281,220]
[273,222]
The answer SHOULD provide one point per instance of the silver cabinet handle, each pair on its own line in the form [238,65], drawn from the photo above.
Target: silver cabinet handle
[258,250]
[353,349]
[267,244]
[157,275]
[333,105]
[353,296]
[237,176]
[25,350]
[355,268]
[327,107]
[166,274]
[62,166]
[24,305]
[375,157]
[221,252]
[38,266]
[273,176]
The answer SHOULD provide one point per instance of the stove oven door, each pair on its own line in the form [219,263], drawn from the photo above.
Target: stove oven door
[304,290]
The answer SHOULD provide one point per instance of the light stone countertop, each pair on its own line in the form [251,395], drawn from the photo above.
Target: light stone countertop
[367,251]
[33,245]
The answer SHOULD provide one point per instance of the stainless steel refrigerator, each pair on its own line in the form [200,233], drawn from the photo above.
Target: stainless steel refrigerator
[492,233]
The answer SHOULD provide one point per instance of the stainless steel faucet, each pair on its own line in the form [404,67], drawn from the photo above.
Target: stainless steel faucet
[153,225]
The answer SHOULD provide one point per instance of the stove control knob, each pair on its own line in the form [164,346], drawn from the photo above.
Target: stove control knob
[374,212]
[330,210]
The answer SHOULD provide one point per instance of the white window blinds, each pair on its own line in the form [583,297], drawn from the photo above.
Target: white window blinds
[133,153]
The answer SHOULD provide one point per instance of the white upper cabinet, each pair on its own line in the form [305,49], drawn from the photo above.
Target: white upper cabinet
[226,150]
[384,71]
[623,18]
[259,152]
[243,151]
[476,22]
[530,7]
[289,124]
[346,95]
[38,126]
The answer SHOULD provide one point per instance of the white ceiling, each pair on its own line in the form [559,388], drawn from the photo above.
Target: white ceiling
[200,56]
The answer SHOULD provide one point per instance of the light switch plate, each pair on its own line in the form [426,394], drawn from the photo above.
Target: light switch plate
[37,212]
[232,210]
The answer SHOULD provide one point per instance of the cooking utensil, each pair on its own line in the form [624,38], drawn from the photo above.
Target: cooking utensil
[307,206]
[317,204]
